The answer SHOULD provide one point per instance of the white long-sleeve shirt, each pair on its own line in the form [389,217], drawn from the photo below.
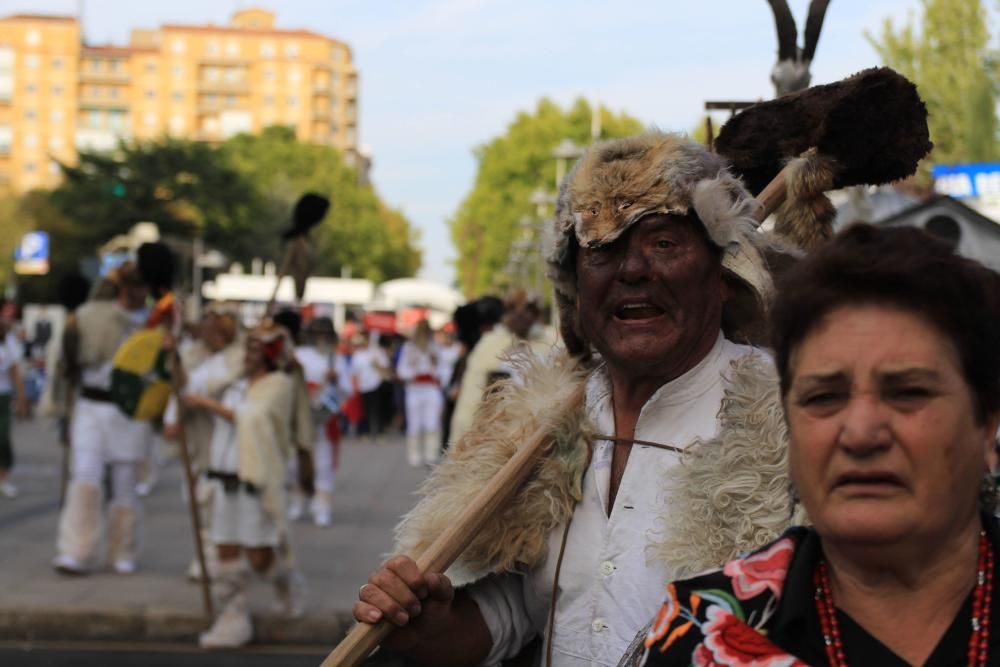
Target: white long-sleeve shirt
[414,362]
[607,589]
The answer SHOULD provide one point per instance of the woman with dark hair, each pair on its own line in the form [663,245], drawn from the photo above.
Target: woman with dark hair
[886,346]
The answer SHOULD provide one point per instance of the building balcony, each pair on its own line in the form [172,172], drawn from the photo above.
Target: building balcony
[104,77]
[88,103]
[221,86]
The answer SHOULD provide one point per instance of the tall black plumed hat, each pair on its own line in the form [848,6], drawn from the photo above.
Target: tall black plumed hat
[156,265]
[309,211]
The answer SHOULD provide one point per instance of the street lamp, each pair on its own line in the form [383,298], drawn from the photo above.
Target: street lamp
[566,150]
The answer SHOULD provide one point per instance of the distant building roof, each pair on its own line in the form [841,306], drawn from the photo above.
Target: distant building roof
[38,17]
[247,31]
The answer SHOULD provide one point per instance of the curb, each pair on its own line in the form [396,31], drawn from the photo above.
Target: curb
[151,624]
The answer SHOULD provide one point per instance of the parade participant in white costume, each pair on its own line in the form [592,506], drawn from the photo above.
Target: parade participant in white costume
[251,445]
[323,368]
[419,367]
[209,376]
[101,435]
[659,273]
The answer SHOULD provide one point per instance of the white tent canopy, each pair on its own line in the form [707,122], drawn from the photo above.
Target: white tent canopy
[407,292]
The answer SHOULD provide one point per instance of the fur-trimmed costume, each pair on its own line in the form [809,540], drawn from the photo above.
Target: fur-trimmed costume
[727,492]
[102,437]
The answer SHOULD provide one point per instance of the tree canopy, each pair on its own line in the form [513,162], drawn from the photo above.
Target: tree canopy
[948,55]
[510,168]
[237,196]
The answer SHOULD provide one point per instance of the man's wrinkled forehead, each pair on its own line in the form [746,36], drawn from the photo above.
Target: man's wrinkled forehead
[652,222]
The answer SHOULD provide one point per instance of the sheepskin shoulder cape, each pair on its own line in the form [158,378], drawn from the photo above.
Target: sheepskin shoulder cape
[102,327]
[729,495]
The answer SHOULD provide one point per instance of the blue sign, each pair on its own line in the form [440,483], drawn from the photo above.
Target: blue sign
[31,257]
[965,181]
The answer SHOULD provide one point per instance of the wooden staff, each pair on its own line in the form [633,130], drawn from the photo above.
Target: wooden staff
[498,492]
[189,477]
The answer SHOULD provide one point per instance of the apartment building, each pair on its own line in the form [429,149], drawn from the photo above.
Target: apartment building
[202,82]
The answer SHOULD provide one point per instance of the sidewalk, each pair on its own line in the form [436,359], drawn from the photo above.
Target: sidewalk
[374,487]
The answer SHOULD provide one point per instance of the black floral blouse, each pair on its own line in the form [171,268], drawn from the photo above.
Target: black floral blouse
[760,611]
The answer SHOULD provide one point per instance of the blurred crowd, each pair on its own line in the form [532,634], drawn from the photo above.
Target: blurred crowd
[275,397]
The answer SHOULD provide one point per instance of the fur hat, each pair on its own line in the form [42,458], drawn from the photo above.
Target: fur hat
[618,182]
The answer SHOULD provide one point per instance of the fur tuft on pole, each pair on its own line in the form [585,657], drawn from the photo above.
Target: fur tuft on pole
[873,125]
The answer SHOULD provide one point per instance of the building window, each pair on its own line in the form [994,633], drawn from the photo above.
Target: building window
[212,48]
[232,48]
[293,101]
[57,63]
[212,73]
[291,50]
[150,119]
[116,65]
[176,124]
[269,100]
[113,92]
[269,74]
[151,68]
[178,72]
[94,65]
[30,89]
[56,116]
[6,138]
[33,38]
[211,100]
[94,119]
[55,142]
[151,94]
[57,91]
[178,97]
[30,141]
[230,100]
[54,167]
[117,121]
[234,75]
[31,61]
[30,114]
[178,46]
[29,167]
[294,75]
[267,50]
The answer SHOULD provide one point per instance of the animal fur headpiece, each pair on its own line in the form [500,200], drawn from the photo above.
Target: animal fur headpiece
[618,182]
[275,343]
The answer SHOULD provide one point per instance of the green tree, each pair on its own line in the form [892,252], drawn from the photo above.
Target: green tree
[360,232]
[14,225]
[511,167]
[948,55]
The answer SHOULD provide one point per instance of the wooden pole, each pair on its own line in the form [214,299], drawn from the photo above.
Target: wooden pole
[189,477]
[498,492]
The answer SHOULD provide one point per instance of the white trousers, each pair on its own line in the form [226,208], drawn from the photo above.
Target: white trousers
[424,402]
[103,436]
[323,478]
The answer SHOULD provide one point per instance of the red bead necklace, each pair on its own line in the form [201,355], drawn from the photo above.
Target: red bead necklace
[982,598]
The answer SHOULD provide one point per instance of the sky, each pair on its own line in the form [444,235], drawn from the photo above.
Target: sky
[440,77]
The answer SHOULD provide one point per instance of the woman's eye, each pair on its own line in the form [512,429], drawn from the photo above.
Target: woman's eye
[664,243]
[821,399]
[909,394]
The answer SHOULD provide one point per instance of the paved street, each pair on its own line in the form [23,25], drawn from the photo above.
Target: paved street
[375,486]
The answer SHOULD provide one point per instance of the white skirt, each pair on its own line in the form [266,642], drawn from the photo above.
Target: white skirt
[239,518]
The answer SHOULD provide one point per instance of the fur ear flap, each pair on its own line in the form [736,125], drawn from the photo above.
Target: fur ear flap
[806,218]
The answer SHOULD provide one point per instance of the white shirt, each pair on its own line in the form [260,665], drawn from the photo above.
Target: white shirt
[413,361]
[607,589]
[363,367]
[199,379]
[224,453]
[11,353]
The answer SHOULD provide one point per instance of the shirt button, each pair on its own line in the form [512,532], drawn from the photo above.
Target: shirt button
[598,625]
[607,568]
